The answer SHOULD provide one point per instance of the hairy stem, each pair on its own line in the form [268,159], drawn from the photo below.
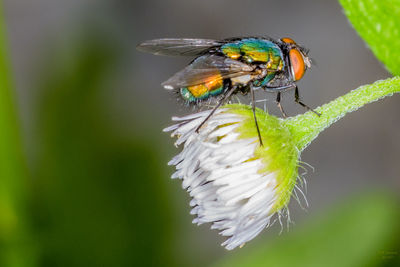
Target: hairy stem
[306,127]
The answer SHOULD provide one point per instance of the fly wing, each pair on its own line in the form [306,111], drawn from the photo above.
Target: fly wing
[177,47]
[207,68]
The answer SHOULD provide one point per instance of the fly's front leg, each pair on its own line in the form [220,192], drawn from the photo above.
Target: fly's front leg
[278,96]
[278,103]
[297,100]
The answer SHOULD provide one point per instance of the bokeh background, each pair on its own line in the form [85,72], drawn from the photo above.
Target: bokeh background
[95,189]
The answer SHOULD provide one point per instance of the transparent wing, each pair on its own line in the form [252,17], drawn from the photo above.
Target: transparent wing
[177,47]
[207,68]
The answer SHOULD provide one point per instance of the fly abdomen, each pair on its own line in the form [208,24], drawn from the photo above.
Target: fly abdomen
[202,91]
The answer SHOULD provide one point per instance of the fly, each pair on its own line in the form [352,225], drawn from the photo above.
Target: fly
[226,67]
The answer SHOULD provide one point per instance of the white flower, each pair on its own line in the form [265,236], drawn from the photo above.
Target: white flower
[235,184]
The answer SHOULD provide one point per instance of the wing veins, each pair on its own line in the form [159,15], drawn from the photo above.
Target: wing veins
[207,68]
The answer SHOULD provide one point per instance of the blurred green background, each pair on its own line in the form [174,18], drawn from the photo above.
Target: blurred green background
[83,173]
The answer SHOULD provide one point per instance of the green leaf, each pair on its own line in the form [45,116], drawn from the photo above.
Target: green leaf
[361,231]
[378,23]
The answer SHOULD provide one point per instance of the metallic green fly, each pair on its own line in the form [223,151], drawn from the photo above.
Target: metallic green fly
[229,66]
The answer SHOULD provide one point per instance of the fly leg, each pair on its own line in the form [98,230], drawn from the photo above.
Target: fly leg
[297,100]
[220,102]
[278,96]
[281,88]
[278,103]
[253,104]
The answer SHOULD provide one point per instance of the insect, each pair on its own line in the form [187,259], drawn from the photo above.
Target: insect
[235,65]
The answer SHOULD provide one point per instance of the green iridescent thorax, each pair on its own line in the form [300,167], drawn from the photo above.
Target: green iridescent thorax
[231,50]
[265,81]
[255,50]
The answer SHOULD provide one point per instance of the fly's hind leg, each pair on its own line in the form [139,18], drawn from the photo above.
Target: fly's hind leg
[297,100]
[220,102]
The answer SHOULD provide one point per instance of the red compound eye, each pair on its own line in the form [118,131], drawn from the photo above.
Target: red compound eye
[297,63]
[288,40]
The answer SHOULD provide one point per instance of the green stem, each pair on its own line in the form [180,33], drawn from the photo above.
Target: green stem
[306,127]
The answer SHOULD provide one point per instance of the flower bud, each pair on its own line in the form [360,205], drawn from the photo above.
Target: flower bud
[236,184]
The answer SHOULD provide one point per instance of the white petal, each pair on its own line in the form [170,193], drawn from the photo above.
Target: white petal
[222,175]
